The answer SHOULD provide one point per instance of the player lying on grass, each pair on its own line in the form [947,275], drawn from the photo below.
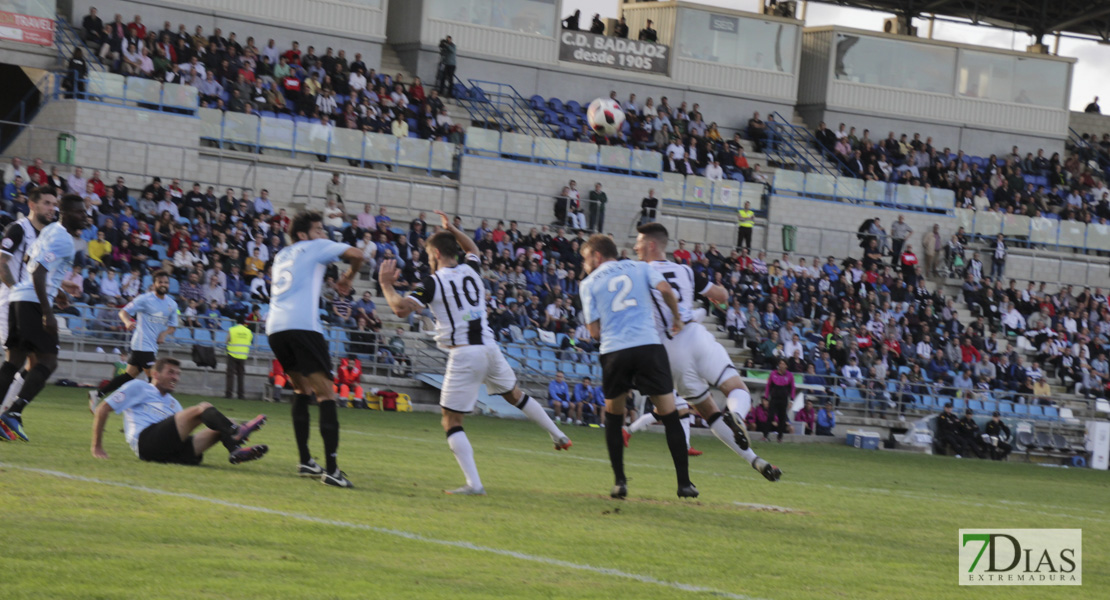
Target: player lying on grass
[456,296]
[158,429]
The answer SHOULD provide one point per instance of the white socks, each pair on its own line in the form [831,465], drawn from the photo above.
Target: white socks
[464,454]
[538,415]
[686,428]
[13,392]
[646,420]
[739,402]
[723,433]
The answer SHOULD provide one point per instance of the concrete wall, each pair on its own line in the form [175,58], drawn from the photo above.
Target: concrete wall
[1090,123]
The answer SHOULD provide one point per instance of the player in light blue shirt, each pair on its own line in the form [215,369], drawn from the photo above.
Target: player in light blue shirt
[297,339]
[158,429]
[153,317]
[33,332]
[617,306]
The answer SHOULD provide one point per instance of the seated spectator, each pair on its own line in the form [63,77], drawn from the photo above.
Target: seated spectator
[808,416]
[559,398]
[826,419]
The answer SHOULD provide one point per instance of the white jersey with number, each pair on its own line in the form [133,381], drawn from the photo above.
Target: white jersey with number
[18,237]
[457,299]
[698,361]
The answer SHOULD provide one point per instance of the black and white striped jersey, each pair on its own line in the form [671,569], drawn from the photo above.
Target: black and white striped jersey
[457,299]
[18,237]
[685,283]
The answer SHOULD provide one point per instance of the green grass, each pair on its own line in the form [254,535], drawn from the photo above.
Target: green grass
[866,524]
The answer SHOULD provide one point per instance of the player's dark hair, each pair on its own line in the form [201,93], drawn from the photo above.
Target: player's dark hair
[161,363]
[72,202]
[159,273]
[655,231]
[36,193]
[445,243]
[303,222]
[603,245]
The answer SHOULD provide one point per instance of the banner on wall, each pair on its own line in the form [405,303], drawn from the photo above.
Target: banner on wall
[615,53]
[25,28]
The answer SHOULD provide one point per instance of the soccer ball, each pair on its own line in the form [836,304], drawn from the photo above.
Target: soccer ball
[605,117]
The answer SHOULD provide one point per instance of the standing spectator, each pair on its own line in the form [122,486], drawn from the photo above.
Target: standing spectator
[1093,107]
[238,348]
[648,33]
[899,233]
[77,72]
[948,432]
[597,25]
[908,262]
[447,58]
[571,23]
[744,226]
[621,30]
[780,391]
[598,199]
[931,246]
[998,264]
[648,206]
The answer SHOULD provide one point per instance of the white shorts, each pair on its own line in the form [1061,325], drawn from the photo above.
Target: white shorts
[680,402]
[468,367]
[698,362]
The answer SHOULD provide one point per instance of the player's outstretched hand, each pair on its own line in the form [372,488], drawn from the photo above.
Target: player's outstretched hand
[99,452]
[388,273]
[343,285]
[50,323]
[444,220]
[677,327]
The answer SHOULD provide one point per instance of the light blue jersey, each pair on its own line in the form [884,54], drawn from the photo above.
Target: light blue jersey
[618,293]
[141,405]
[298,276]
[153,316]
[52,250]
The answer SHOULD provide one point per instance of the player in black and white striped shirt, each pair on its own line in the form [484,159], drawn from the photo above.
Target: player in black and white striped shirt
[698,361]
[457,298]
[18,237]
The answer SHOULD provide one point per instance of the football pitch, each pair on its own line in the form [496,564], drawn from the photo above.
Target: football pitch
[842,523]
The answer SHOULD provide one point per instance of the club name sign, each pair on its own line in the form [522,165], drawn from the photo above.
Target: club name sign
[615,53]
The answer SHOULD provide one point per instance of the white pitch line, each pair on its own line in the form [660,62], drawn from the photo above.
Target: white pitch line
[1029,507]
[555,562]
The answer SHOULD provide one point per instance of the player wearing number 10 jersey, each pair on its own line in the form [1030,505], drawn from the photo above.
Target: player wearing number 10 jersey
[457,297]
[297,338]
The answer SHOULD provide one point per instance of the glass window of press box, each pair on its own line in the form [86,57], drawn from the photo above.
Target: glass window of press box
[523,16]
[895,63]
[738,41]
[35,8]
[1014,79]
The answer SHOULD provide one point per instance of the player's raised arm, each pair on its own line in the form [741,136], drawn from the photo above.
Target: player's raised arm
[672,303]
[353,257]
[402,306]
[468,246]
[128,322]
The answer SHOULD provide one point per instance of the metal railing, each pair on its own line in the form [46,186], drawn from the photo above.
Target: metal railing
[858,191]
[802,145]
[66,38]
[503,105]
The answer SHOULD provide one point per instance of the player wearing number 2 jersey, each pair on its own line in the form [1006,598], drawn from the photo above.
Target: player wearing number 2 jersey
[698,362]
[297,338]
[457,298]
[617,309]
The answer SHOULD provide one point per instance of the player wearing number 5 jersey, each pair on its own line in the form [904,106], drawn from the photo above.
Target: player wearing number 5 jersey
[456,296]
[617,307]
[697,361]
[297,338]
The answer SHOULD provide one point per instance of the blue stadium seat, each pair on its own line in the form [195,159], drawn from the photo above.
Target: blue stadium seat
[958,404]
[548,367]
[532,353]
[202,336]
[581,370]
[147,280]
[261,342]
[460,92]
[555,103]
[174,285]
[477,95]
[219,336]
[183,334]
[547,355]
[975,405]
[1051,412]
[1035,411]
[536,102]
[574,107]
[989,406]
[1021,409]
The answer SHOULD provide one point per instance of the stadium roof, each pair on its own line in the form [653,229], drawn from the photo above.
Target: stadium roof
[1038,17]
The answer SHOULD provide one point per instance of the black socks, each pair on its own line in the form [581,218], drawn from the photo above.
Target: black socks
[7,376]
[34,381]
[676,442]
[216,421]
[329,430]
[115,384]
[301,422]
[614,439]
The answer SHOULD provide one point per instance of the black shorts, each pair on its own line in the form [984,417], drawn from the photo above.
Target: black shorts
[161,443]
[302,351]
[25,330]
[643,368]
[143,360]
